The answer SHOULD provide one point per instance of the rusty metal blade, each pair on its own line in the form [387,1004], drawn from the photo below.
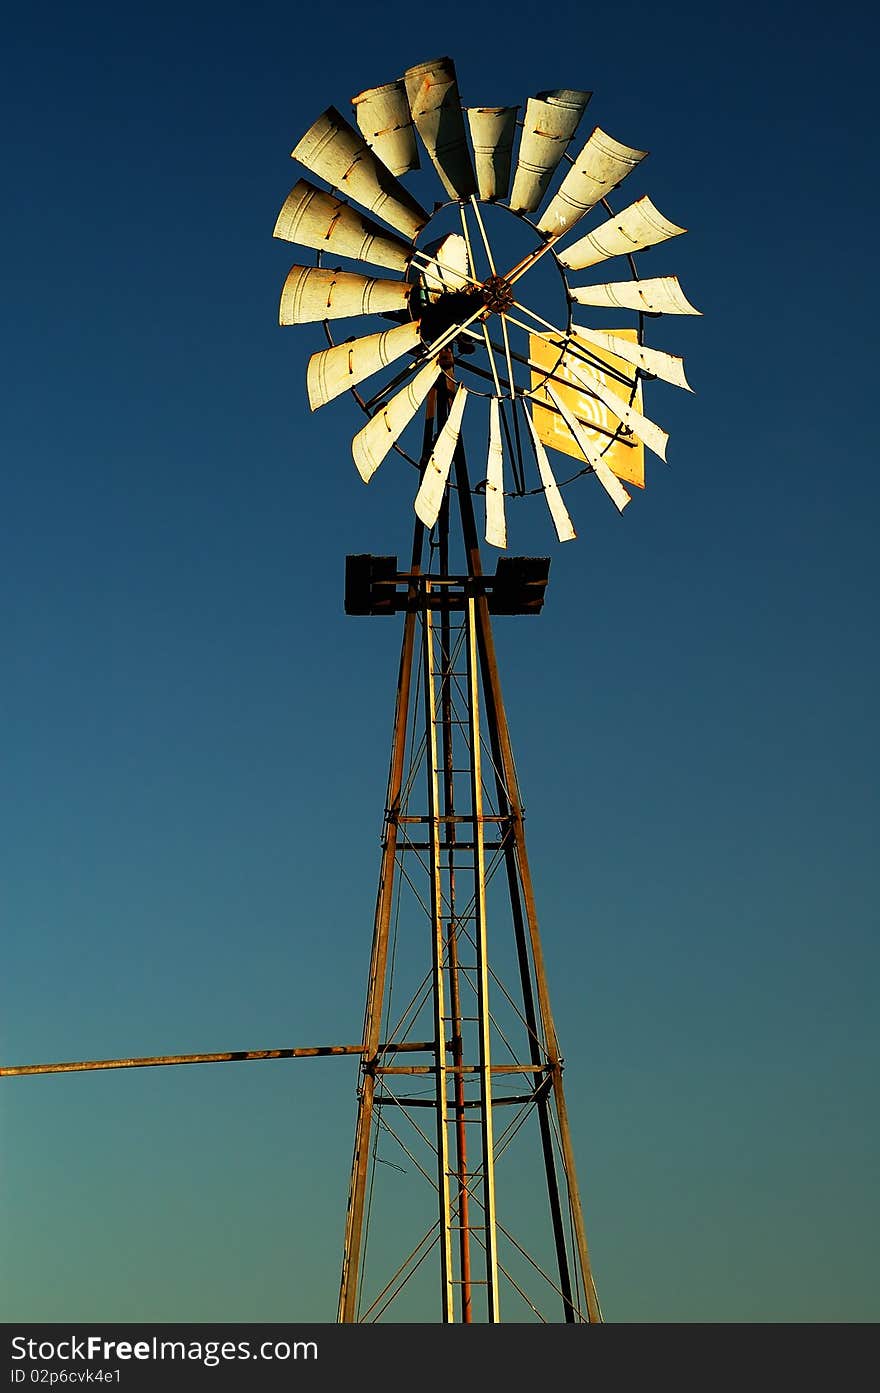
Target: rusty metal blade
[631,230]
[558,511]
[492,132]
[496,526]
[314,293]
[432,89]
[370,446]
[601,165]
[311,217]
[551,120]
[667,366]
[433,485]
[384,117]
[336,152]
[334,370]
[656,295]
[609,480]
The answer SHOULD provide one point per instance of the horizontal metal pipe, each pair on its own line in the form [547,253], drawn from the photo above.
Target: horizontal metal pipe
[462,1068]
[228,1057]
[404,1102]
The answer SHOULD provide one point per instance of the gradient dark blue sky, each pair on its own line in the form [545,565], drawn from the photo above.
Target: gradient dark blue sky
[195,737]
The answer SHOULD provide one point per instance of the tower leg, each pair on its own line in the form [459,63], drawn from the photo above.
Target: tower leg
[438,990]
[354,1222]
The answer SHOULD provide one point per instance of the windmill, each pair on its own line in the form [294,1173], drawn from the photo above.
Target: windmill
[462,1130]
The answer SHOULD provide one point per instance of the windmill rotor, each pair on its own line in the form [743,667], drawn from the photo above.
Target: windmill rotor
[455,296]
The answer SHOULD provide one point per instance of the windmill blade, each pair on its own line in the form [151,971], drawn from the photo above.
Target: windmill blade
[492,132]
[631,230]
[558,511]
[668,366]
[600,167]
[312,218]
[451,268]
[607,478]
[313,293]
[370,446]
[433,485]
[432,89]
[496,527]
[550,122]
[336,152]
[657,295]
[385,120]
[334,370]
[647,431]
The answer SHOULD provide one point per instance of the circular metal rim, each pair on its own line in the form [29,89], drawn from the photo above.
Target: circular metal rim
[522,217]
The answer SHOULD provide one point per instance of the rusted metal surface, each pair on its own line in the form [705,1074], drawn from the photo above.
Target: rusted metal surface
[609,481]
[312,293]
[384,117]
[433,485]
[371,444]
[493,129]
[632,229]
[550,121]
[667,366]
[462,1069]
[657,295]
[310,217]
[337,153]
[602,164]
[553,498]
[333,371]
[226,1057]
[354,1219]
[432,89]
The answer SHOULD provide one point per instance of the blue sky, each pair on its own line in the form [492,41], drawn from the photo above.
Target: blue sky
[195,736]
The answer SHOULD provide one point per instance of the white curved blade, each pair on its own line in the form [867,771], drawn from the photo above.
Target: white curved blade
[335,151]
[656,295]
[558,511]
[551,120]
[312,218]
[609,481]
[451,269]
[313,293]
[370,446]
[631,230]
[385,120]
[648,431]
[666,365]
[600,167]
[432,89]
[492,132]
[496,527]
[433,485]
[334,370]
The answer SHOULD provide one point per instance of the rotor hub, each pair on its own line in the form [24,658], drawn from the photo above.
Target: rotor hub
[497,294]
